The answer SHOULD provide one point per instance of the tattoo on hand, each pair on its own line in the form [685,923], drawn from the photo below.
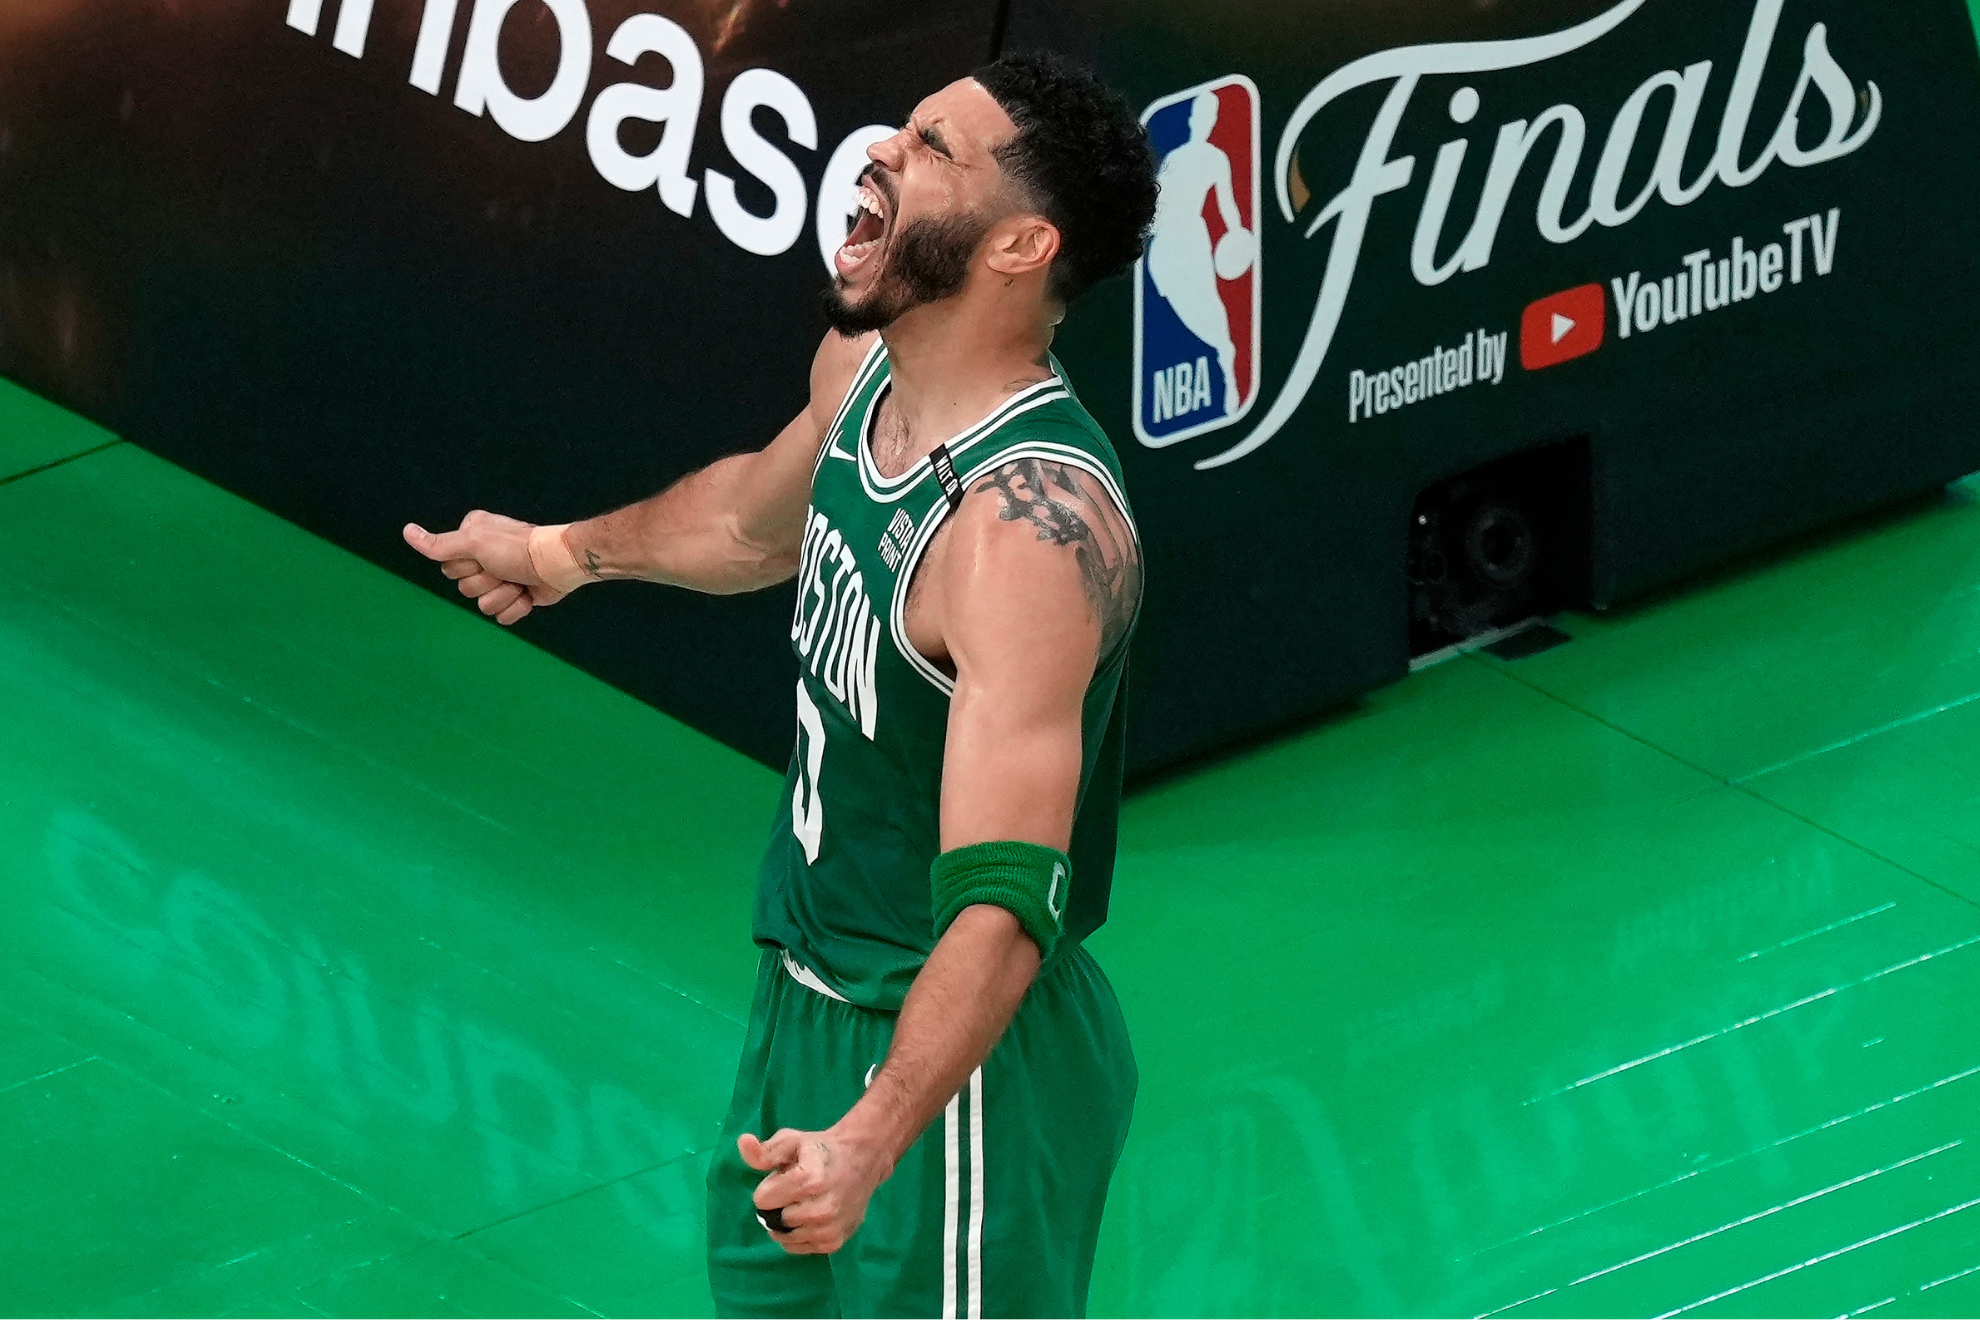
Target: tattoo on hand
[591,565]
[1053,498]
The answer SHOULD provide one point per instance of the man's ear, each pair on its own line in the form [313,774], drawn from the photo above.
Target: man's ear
[1022,244]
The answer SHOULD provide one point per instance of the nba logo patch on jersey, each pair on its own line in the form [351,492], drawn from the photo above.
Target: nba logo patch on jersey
[1196,289]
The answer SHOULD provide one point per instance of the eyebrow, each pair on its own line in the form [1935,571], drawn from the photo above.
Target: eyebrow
[933,137]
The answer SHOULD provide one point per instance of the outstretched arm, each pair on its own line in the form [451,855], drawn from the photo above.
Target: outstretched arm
[1037,579]
[733,526]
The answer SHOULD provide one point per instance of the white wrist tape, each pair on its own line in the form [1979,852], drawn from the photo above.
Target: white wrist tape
[554,561]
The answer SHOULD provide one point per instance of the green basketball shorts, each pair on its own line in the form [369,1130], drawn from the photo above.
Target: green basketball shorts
[995,1211]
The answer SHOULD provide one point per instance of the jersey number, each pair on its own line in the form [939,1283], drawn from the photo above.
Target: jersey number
[807,808]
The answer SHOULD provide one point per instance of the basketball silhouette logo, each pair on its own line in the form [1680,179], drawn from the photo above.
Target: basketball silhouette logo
[1197,287]
[1235,252]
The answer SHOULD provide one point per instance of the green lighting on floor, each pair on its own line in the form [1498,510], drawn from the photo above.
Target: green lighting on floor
[362,959]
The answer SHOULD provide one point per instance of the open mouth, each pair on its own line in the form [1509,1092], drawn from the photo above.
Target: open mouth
[868,228]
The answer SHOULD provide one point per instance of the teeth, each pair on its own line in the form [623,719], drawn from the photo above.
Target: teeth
[868,204]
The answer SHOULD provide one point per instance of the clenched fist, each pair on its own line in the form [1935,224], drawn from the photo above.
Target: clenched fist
[489,558]
[818,1188]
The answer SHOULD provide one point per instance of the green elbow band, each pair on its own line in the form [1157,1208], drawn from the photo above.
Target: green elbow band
[1027,880]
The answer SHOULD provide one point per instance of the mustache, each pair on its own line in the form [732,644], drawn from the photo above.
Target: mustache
[882,184]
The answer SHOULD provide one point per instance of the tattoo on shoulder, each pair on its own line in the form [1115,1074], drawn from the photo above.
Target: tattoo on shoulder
[1068,509]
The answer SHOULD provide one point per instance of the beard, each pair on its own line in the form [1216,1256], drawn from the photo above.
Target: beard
[929,262]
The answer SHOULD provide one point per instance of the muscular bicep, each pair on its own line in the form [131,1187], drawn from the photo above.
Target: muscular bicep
[1039,580]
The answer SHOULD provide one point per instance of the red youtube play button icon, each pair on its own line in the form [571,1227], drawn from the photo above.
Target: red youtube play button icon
[1564,325]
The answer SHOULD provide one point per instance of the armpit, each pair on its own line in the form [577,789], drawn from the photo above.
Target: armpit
[1069,508]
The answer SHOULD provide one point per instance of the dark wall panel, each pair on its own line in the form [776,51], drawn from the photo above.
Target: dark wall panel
[302,273]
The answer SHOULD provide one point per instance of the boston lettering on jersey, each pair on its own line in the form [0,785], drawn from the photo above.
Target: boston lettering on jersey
[833,628]
[844,886]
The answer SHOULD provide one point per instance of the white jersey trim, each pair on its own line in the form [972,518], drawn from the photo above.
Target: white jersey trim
[867,366]
[885,490]
[809,979]
[897,614]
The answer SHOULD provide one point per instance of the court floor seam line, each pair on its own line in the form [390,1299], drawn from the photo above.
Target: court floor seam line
[1890,726]
[467,1233]
[1824,1126]
[52,1072]
[259,1140]
[432,1232]
[509,1270]
[11,478]
[1825,1256]
[1739,786]
[342,747]
[1857,844]
[233,1125]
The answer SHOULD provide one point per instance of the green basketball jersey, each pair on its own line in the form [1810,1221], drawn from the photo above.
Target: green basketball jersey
[844,886]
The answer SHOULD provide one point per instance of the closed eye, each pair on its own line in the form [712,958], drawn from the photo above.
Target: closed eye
[933,138]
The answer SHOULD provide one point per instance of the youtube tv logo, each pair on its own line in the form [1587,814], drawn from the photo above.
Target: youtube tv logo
[1564,325]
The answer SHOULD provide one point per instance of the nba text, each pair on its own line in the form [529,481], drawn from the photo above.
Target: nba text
[1706,284]
[1481,358]
[1183,389]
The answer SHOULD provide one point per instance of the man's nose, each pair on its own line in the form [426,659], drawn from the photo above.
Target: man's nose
[888,152]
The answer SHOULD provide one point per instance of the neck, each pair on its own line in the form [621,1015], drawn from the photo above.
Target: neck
[955,360]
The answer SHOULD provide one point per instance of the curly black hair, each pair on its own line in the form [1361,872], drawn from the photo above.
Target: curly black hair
[1083,156]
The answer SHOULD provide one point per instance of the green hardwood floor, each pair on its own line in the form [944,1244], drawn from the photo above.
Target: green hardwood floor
[361,959]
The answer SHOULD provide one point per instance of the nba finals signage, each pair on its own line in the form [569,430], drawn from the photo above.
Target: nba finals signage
[1198,290]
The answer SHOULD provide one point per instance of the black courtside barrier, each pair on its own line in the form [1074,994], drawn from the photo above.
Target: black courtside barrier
[1454,313]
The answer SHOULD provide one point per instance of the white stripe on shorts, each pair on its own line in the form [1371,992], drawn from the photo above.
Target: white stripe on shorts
[950,1198]
[962,1298]
[976,1195]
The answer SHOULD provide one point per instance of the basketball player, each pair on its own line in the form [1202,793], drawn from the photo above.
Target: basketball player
[936,1081]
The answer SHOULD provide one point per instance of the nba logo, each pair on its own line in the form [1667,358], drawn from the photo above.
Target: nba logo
[1196,288]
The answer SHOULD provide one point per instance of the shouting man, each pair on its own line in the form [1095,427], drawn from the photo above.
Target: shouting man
[937,1081]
